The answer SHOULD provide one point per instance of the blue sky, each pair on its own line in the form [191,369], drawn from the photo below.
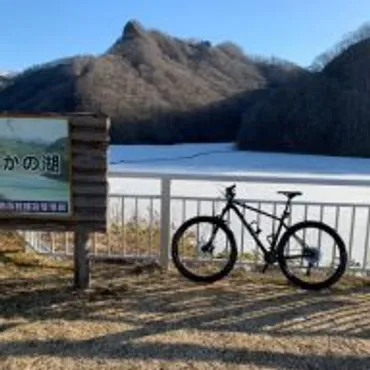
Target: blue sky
[298,30]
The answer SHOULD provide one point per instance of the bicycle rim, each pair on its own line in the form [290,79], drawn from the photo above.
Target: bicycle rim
[204,249]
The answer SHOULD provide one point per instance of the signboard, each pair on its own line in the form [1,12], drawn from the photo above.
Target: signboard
[35,175]
[53,171]
[53,176]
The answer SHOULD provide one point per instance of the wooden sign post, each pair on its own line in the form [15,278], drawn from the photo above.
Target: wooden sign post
[53,177]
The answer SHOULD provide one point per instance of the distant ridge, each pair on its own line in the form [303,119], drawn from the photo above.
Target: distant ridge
[160,89]
[145,76]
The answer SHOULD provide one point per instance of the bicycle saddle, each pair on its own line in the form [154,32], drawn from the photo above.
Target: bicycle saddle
[290,194]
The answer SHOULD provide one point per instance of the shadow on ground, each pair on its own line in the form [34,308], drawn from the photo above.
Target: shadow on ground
[154,303]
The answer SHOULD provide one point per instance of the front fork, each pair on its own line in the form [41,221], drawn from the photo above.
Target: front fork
[209,247]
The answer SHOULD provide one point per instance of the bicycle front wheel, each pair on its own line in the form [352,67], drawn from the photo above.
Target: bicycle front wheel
[204,249]
[312,255]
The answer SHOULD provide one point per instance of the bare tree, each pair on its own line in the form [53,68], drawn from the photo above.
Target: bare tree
[351,38]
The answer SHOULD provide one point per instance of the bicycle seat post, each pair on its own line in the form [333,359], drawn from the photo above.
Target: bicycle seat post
[286,211]
[290,195]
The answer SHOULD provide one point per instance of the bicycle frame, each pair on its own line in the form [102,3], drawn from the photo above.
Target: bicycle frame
[275,253]
[232,206]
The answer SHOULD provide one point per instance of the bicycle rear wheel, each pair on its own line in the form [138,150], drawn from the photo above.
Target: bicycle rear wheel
[303,247]
[204,249]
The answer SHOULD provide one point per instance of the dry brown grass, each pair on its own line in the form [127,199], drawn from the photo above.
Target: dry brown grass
[134,318]
[135,236]
[13,255]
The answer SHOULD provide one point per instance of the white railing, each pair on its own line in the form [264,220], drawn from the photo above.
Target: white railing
[141,225]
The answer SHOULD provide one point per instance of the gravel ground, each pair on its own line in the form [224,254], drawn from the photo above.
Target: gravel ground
[135,318]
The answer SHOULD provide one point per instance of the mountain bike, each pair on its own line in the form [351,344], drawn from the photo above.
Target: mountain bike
[298,266]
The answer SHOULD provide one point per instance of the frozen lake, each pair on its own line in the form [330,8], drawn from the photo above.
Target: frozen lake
[222,159]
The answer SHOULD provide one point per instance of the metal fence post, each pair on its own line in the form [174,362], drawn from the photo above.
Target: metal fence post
[165,222]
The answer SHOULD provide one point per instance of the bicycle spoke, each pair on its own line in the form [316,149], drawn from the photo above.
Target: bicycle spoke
[316,267]
[205,249]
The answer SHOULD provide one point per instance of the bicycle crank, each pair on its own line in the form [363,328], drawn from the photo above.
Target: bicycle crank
[270,259]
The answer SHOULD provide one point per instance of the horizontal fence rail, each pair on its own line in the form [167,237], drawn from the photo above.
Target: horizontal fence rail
[140,227]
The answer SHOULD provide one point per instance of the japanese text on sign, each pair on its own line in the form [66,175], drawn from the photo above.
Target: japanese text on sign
[47,163]
[26,206]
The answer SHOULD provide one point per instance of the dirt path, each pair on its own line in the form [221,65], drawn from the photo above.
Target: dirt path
[135,320]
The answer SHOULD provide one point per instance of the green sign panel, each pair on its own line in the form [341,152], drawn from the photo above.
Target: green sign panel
[35,176]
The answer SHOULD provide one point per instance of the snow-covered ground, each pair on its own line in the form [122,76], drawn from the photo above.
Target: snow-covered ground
[222,159]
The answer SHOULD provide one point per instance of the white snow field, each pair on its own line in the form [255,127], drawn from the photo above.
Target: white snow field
[223,160]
